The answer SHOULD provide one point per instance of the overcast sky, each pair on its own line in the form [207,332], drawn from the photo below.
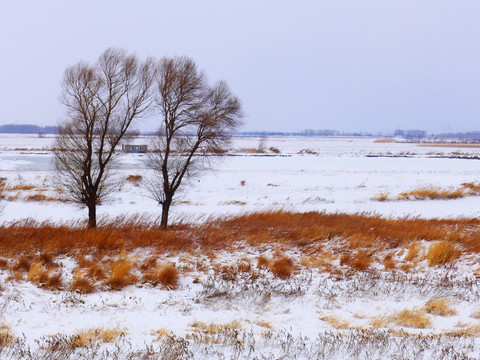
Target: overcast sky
[347,65]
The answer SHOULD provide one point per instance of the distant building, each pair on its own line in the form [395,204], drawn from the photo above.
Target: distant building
[134,148]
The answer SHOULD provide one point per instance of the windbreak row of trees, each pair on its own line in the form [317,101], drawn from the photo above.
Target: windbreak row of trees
[104,99]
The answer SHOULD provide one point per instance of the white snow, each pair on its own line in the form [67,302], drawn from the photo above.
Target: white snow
[343,175]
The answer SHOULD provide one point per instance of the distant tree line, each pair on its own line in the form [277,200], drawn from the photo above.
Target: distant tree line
[27,129]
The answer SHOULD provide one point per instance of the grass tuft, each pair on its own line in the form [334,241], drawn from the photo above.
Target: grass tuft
[441,253]
[86,338]
[6,336]
[413,318]
[120,273]
[282,267]
[439,307]
[165,275]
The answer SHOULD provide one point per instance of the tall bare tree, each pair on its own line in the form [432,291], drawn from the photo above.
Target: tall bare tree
[102,100]
[196,119]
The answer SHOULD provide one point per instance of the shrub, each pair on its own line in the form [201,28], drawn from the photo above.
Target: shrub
[441,253]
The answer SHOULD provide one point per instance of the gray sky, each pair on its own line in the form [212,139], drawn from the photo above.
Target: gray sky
[347,65]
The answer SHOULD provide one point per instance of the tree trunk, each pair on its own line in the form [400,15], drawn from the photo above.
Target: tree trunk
[92,216]
[165,209]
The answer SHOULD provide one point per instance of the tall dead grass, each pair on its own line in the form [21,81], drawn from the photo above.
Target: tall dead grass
[362,233]
[441,253]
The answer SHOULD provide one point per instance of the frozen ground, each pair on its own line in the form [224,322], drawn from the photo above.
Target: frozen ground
[342,175]
[309,316]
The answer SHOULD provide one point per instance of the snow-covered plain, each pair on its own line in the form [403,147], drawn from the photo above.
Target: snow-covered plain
[343,175]
[275,318]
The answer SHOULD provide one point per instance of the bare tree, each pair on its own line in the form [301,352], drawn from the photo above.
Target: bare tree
[196,119]
[102,100]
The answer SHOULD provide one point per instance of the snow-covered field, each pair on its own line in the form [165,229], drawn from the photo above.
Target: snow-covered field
[307,316]
[342,175]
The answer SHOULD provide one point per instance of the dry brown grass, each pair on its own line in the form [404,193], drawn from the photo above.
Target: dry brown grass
[475,314]
[282,268]
[383,196]
[439,307]
[82,283]
[306,232]
[165,275]
[414,251]
[471,188]
[383,141]
[7,336]
[467,331]
[412,318]
[85,338]
[359,241]
[360,260]
[431,193]
[160,334]
[40,275]
[263,262]
[336,322]
[21,187]
[389,263]
[441,253]
[212,329]
[38,196]
[466,189]
[451,145]
[134,179]
[36,272]
[120,273]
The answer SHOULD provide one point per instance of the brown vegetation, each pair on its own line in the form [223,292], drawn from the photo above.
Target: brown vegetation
[439,307]
[282,267]
[165,275]
[466,189]
[441,253]
[424,194]
[413,318]
[134,179]
[103,254]
[451,145]
[383,141]
[120,273]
